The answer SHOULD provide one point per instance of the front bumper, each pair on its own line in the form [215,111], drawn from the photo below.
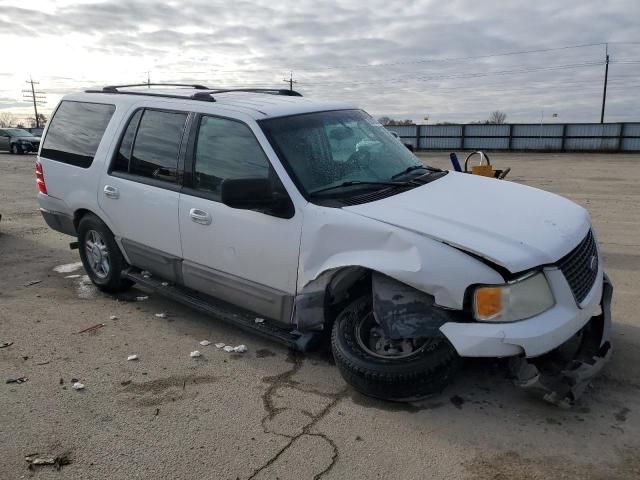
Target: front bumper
[561,376]
[532,337]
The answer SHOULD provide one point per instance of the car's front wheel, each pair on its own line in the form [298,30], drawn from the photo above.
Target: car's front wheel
[101,256]
[391,369]
[16,149]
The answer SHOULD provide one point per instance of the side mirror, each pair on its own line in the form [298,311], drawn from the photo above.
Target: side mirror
[255,194]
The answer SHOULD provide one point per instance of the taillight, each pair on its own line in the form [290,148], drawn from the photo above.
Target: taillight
[42,188]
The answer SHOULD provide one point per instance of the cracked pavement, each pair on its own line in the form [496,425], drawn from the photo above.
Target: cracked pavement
[269,413]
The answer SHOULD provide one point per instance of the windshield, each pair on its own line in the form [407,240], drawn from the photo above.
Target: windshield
[18,132]
[326,149]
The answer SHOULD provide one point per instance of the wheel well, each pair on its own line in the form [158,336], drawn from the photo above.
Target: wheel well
[77,216]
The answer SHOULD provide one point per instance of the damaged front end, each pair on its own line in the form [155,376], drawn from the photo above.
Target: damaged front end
[561,376]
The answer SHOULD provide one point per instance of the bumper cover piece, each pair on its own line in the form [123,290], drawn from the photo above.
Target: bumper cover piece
[561,376]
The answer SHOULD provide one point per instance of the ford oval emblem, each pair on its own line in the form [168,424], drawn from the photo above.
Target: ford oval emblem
[593,263]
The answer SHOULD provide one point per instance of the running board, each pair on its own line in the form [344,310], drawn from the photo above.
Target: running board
[226,312]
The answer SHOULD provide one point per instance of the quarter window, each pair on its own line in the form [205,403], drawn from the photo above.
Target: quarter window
[76,131]
[226,149]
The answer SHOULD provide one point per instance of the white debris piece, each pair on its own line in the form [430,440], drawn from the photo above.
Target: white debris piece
[195,354]
[146,274]
[259,320]
[161,315]
[73,276]
[132,357]
[142,298]
[228,349]
[165,284]
[219,345]
[78,386]
[113,317]
[205,343]
[240,349]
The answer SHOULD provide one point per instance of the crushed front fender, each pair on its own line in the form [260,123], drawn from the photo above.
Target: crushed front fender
[561,376]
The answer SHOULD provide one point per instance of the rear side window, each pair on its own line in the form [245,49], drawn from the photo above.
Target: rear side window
[226,149]
[76,131]
[151,144]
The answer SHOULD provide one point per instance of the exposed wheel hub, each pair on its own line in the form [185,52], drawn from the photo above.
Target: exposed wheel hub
[97,254]
[372,339]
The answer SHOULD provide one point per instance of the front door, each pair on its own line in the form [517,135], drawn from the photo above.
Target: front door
[245,257]
[140,193]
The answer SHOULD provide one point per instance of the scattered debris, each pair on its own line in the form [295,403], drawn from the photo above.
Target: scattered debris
[74,380]
[32,282]
[259,320]
[68,268]
[61,381]
[92,329]
[240,349]
[205,343]
[165,284]
[5,344]
[457,401]
[142,298]
[25,357]
[124,383]
[146,274]
[157,412]
[46,362]
[17,380]
[78,386]
[195,354]
[37,460]
[73,276]
[228,349]
[132,357]
[219,345]
[161,315]
[113,317]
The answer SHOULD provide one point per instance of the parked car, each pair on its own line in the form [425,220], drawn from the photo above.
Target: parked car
[18,141]
[309,214]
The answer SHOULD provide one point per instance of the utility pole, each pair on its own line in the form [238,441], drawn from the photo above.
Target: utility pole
[36,97]
[290,81]
[606,75]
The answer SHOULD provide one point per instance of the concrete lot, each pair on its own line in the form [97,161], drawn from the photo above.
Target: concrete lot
[271,414]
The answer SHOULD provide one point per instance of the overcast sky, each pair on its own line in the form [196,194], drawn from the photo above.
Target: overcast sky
[448,60]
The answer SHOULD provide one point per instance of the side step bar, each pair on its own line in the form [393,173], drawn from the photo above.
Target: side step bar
[226,312]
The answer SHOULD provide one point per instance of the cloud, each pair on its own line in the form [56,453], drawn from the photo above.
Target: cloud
[413,42]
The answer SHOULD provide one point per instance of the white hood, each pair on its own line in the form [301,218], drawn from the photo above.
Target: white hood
[515,226]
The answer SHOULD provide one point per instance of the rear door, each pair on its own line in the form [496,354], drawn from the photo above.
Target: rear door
[246,257]
[140,191]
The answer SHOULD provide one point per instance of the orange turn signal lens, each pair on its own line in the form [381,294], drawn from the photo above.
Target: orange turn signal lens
[488,302]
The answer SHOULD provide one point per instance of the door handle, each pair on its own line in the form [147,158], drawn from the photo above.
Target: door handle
[111,192]
[200,216]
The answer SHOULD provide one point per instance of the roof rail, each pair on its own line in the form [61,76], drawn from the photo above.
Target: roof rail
[205,95]
[114,88]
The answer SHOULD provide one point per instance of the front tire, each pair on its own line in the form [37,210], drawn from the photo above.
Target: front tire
[16,149]
[101,255]
[400,370]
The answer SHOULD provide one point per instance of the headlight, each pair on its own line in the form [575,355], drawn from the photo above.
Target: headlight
[520,299]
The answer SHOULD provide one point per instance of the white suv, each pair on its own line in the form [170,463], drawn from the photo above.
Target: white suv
[261,203]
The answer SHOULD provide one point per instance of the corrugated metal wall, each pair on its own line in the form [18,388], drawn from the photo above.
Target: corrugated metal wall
[594,137]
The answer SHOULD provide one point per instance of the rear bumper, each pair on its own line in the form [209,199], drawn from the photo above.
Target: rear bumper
[59,222]
[532,337]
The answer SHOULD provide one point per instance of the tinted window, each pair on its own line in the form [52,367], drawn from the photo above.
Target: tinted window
[121,162]
[157,144]
[75,132]
[226,149]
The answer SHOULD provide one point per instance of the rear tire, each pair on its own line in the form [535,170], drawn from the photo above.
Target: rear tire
[16,149]
[403,378]
[101,255]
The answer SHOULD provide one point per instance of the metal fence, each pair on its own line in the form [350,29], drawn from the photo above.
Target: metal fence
[554,137]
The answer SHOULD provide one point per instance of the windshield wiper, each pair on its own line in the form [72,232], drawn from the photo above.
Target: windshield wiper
[412,168]
[357,182]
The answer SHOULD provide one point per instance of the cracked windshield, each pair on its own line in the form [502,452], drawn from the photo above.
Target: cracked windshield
[333,150]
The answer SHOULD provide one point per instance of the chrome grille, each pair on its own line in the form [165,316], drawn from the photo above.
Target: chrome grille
[580,267]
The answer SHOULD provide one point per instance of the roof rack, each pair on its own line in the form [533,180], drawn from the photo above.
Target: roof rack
[206,95]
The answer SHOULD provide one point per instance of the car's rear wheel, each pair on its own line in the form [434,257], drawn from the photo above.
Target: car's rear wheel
[391,369]
[16,149]
[101,256]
